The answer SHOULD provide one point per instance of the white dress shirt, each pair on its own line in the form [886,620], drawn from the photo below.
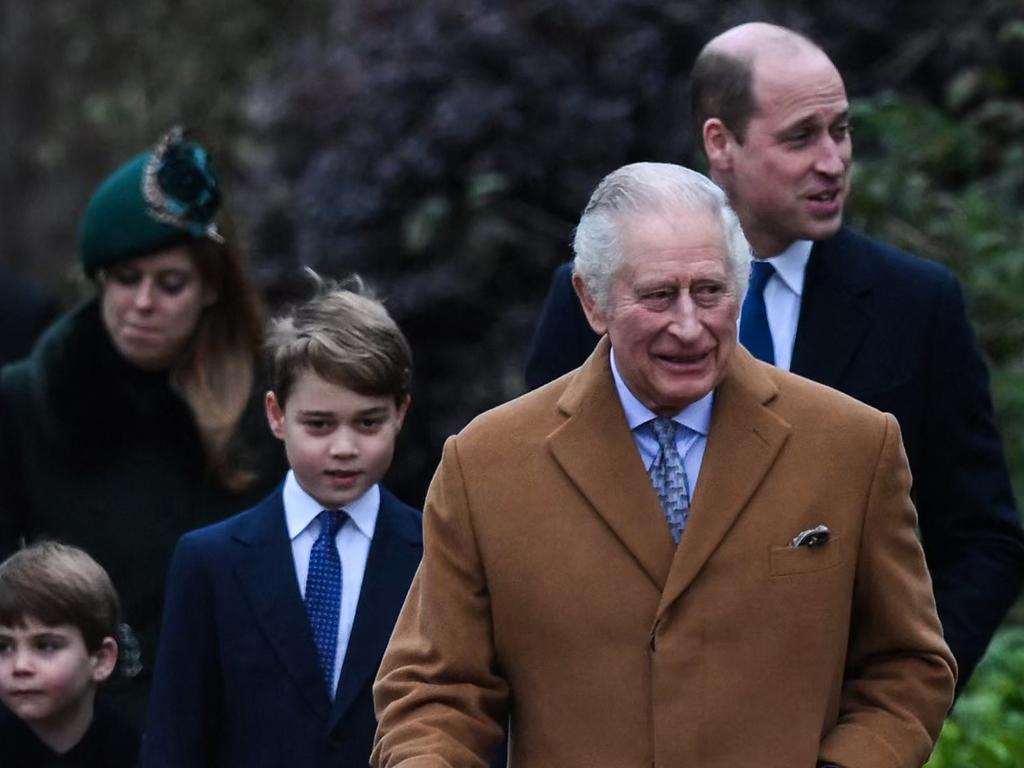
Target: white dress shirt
[782,296]
[353,542]
[690,442]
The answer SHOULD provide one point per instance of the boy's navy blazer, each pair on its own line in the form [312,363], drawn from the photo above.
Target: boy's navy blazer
[237,681]
[891,330]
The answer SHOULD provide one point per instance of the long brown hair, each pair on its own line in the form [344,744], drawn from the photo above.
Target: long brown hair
[217,372]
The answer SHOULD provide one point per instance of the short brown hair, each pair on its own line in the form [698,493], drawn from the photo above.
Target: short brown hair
[59,584]
[345,336]
[722,81]
[722,86]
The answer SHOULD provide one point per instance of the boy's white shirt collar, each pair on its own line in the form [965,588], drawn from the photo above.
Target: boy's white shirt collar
[301,509]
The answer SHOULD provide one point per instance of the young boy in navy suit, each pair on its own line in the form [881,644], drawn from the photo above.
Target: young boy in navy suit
[276,619]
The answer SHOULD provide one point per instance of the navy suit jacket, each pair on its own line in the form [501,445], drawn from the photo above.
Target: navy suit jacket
[238,681]
[891,330]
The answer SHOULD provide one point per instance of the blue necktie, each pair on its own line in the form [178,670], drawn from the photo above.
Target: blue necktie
[668,476]
[755,334]
[323,591]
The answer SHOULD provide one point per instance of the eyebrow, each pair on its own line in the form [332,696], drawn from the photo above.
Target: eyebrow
[8,632]
[809,121]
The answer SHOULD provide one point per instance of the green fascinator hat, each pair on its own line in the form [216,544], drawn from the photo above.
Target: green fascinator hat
[162,198]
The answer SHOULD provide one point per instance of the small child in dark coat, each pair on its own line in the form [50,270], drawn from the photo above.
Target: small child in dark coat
[58,622]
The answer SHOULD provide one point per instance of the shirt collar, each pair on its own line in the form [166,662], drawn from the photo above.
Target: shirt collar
[695,416]
[791,264]
[300,509]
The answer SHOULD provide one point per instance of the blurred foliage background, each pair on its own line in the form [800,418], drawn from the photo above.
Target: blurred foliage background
[444,149]
[986,729]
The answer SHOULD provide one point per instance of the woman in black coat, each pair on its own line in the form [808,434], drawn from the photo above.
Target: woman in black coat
[138,415]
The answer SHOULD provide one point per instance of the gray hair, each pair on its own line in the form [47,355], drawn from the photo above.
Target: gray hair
[642,188]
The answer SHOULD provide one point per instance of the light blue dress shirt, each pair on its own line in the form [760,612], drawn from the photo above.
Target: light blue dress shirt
[353,542]
[690,442]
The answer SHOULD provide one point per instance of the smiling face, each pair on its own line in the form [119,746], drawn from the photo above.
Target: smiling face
[339,442]
[48,676]
[152,306]
[672,311]
[789,177]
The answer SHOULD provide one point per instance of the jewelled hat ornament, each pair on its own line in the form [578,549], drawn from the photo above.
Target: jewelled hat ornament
[159,199]
[179,186]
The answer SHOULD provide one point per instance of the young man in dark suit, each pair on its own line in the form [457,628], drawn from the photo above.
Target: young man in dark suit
[842,309]
[276,619]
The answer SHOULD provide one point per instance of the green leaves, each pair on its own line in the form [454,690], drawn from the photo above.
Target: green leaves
[986,729]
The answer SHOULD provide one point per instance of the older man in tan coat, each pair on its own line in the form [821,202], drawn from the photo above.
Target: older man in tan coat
[793,623]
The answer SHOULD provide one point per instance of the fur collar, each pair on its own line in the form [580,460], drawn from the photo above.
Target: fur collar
[93,401]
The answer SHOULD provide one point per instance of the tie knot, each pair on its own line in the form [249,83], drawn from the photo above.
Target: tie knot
[665,431]
[760,274]
[331,521]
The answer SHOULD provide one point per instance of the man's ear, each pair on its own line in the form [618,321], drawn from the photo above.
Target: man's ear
[275,414]
[595,315]
[718,145]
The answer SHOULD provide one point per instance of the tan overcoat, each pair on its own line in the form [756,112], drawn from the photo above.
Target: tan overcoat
[550,591]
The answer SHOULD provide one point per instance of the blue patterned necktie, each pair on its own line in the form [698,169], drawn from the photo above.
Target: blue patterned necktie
[323,591]
[668,476]
[755,334]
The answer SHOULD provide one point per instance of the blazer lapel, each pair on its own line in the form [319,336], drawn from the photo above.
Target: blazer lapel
[266,577]
[596,450]
[743,441]
[390,565]
[833,317]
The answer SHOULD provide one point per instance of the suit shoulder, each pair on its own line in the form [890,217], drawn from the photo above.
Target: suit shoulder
[564,271]
[407,520]
[885,260]
[809,401]
[217,534]
[529,414]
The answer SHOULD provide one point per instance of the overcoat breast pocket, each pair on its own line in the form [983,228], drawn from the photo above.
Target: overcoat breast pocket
[793,561]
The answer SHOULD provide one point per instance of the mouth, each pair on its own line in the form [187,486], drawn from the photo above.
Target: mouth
[139,332]
[684,361]
[24,694]
[343,478]
[826,202]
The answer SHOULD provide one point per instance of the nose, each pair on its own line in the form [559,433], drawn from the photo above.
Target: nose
[345,444]
[686,325]
[834,156]
[144,294]
[21,662]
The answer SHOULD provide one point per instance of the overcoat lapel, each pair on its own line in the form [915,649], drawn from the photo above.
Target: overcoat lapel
[596,450]
[834,317]
[390,564]
[266,577]
[743,441]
